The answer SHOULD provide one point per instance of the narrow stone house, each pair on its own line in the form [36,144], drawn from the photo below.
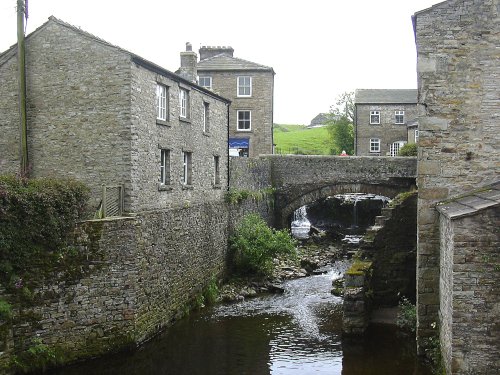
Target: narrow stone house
[142,137]
[381,117]
[250,87]
[457,44]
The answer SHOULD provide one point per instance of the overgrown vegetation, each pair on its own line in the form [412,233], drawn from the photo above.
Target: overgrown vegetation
[409,149]
[234,196]
[407,315]
[5,310]
[37,357]
[37,217]
[432,348]
[254,245]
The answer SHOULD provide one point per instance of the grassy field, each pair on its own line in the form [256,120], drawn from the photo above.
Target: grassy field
[298,139]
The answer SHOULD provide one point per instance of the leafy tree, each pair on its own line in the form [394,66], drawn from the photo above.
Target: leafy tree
[340,124]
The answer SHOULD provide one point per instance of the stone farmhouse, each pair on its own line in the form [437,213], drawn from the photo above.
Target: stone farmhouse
[458,257]
[137,134]
[250,87]
[381,120]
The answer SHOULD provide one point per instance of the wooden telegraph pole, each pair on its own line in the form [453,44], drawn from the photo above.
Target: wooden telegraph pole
[21,62]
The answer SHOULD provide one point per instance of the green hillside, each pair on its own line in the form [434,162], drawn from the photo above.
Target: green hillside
[298,139]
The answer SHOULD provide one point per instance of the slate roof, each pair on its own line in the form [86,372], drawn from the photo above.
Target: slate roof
[471,203]
[385,96]
[6,55]
[225,62]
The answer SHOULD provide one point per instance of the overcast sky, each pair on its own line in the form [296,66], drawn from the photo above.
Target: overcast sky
[318,48]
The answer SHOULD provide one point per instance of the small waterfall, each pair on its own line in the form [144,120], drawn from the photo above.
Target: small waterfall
[300,225]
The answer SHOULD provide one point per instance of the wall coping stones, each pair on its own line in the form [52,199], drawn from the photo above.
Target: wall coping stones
[472,202]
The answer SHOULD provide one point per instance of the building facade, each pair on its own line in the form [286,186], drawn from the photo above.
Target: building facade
[141,134]
[250,87]
[381,118]
[458,298]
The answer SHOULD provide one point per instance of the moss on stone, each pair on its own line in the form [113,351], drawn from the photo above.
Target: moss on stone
[359,267]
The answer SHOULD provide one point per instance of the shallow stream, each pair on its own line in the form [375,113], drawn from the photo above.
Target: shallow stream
[295,333]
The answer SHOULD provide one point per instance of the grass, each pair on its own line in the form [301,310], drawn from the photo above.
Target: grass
[298,139]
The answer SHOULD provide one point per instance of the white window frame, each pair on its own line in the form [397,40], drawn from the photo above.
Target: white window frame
[375,145]
[372,115]
[397,115]
[216,170]
[416,136]
[244,86]
[161,102]
[164,167]
[206,117]
[203,78]
[187,167]
[395,147]
[183,103]
[249,120]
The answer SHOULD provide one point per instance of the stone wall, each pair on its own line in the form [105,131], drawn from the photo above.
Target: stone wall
[458,70]
[387,131]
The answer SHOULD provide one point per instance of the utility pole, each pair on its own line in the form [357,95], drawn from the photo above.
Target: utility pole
[21,63]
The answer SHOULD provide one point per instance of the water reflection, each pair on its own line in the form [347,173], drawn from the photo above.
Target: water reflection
[298,332]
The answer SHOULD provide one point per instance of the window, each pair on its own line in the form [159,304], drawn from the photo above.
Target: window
[244,120]
[187,168]
[183,103]
[400,117]
[216,170]
[396,146]
[206,82]
[416,136]
[161,102]
[374,117]
[206,117]
[374,144]
[244,86]
[164,167]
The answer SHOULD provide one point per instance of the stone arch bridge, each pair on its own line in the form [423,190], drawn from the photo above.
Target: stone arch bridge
[303,179]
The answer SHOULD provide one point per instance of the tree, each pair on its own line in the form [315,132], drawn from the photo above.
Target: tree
[340,124]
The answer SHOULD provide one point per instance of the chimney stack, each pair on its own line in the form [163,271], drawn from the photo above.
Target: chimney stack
[189,61]
[210,51]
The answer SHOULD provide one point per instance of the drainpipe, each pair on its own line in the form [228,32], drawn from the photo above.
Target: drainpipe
[21,62]
[227,146]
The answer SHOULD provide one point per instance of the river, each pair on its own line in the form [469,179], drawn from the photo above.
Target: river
[294,333]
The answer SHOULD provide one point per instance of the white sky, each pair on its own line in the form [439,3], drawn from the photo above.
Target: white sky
[318,48]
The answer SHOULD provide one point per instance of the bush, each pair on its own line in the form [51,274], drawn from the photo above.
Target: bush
[254,245]
[407,315]
[37,217]
[5,310]
[409,149]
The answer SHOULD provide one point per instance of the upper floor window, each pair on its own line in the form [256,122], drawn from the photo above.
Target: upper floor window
[399,117]
[374,117]
[187,168]
[161,102]
[244,86]
[374,144]
[205,82]
[244,120]
[416,136]
[164,167]
[206,116]
[183,103]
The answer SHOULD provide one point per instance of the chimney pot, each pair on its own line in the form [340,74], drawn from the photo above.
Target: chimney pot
[189,47]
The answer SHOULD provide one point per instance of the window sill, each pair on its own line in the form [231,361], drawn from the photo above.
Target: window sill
[185,119]
[162,122]
[378,123]
[187,187]
[244,96]
[162,187]
[244,130]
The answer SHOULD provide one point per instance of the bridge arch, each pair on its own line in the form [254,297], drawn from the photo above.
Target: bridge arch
[285,213]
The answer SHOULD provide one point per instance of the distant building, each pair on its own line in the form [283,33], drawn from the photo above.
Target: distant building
[250,88]
[125,126]
[381,119]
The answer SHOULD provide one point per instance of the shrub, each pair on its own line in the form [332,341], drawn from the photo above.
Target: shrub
[409,149]
[407,315]
[254,245]
[211,292]
[5,310]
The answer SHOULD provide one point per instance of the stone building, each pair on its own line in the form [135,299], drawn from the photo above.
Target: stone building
[380,120]
[457,45]
[250,88]
[121,124]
